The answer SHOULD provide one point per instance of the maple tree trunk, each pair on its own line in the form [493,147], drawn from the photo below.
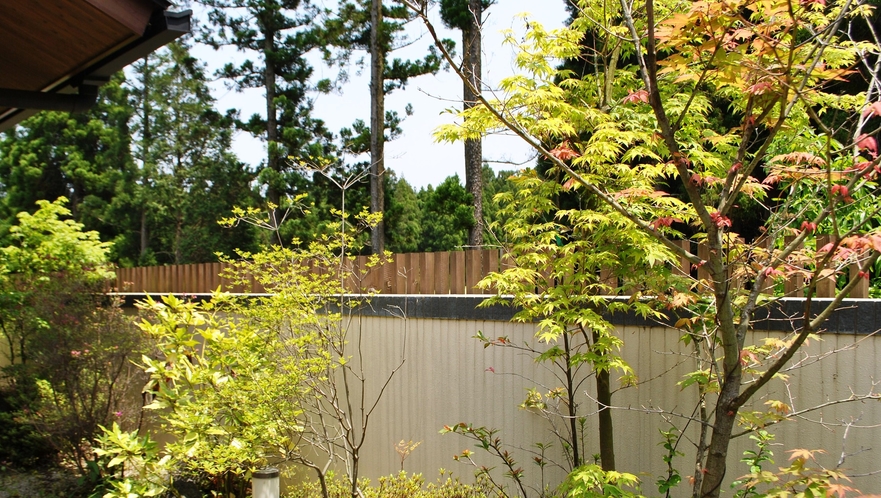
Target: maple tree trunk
[727,405]
[471,65]
[377,127]
[604,402]
[606,431]
[723,426]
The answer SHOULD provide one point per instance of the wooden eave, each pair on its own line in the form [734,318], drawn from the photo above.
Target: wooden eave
[57,45]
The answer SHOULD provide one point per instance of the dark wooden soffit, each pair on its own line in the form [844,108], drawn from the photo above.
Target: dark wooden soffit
[72,46]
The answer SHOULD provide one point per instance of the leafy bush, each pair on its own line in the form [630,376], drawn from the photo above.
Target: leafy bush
[68,348]
[401,485]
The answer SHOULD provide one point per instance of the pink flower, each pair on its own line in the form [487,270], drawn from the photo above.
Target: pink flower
[117,414]
[76,354]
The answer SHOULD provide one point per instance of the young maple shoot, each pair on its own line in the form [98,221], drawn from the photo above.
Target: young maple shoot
[687,111]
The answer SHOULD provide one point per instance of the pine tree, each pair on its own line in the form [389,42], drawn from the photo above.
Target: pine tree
[189,178]
[467,16]
[351,30]
[277,35]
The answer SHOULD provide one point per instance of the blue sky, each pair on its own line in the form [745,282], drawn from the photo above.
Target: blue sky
[415,155]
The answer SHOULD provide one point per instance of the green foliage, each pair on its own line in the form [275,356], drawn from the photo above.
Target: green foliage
[227,389]
[186,177]
[133,464]
[488,441]
[400,485]
[246,380]
[665,137]
[591,481]
[82,156]
[446,215]
[403,218]
[799,479]
[754,459]
[672,479]
[277,35]
[68,346]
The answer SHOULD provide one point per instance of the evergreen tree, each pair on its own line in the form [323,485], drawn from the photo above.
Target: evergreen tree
[371,26]
[188,177]
[84,157]
[278,34]
[467,16]
[403,219]
[447,216]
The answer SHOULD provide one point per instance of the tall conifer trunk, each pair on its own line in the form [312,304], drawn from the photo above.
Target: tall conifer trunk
[471,64]
[377,126]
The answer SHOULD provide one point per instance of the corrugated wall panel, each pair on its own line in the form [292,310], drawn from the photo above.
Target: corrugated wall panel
[449,377]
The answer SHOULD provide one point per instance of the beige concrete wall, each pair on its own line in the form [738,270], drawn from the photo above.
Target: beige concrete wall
[446,380]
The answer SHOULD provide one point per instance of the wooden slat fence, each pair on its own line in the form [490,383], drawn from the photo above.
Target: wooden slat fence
[450,272]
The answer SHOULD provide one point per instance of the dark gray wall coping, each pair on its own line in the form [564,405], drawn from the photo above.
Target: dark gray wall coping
[854,316]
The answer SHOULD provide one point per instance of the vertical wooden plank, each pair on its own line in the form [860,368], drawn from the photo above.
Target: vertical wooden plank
[192,283]
[861,291]
[178,271]
[365,275]
[351,281]
[387,276]
[492,266]
[825,285]
[413,272]
[401,277]
[224,284]
[703,252]
[794,285]
[473,269]
[427,275]
[442,272]
[216,280]
[684,263]
[138,279]
[457,272]
[157,285]
[149,278]
[199,278]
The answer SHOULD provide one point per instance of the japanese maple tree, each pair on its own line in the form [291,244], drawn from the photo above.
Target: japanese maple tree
[688,111]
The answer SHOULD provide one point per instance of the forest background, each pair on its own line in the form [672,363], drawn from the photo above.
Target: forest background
[158,160]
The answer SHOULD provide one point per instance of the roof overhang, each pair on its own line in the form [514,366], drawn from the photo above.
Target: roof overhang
[55,53]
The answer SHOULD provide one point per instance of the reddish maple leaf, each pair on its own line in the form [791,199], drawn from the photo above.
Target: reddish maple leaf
[873,109]
[771,180]
[564,152]
[664,221]
[747,357]
[867,143]
[809,227]
[720,221]
[760,88]
[637,96]
[772,272]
